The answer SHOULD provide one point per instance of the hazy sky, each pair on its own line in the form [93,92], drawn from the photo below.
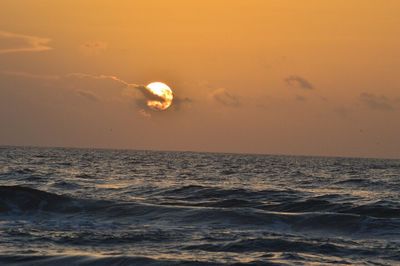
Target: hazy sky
[279,77]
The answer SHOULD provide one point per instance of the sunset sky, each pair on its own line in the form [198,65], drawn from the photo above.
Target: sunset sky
[305,77]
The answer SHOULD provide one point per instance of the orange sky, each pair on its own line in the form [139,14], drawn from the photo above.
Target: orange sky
[279,77]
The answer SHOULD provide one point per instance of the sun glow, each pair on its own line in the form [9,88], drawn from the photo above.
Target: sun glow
[163,92]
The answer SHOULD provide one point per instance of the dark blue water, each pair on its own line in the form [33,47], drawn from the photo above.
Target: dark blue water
[114,207]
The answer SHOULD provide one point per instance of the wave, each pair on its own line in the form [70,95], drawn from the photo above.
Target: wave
[375,210]
[321,223]
[193,193]
[19,198]
[279,245]
[97,260]
[360,182]
[85,176]
[380,209]
[273,200]
[104,237]
[313,215]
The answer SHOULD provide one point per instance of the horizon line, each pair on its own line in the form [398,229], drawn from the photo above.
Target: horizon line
[194,151]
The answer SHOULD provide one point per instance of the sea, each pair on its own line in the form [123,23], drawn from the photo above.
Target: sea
[66,206]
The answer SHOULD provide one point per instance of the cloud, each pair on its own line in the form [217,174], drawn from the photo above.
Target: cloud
[342,112]
[180,102]
[143,89]
[225,98]
[15,43]
[103,88]
[144,113]
[375,102]
[148,94]
[141,98]
[88,95]
[100,77]
[145,95]
[300,98]
[93,48]
[29,75]
[298,82]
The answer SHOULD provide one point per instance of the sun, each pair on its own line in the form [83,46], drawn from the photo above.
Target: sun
[162,91]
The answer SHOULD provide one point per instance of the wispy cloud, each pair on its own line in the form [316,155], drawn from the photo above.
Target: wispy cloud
[15,43]
[179,102]
[99,77]
[342,112]
[93,48]
[298,82]
[224,97]
[88,95]
[375,102]
[29,75]
[144,91]
[102,88]
[300,98]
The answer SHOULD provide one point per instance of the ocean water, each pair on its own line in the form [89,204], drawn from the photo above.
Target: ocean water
[118,207]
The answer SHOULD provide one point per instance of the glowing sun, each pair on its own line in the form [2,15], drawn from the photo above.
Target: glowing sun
[161,91]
